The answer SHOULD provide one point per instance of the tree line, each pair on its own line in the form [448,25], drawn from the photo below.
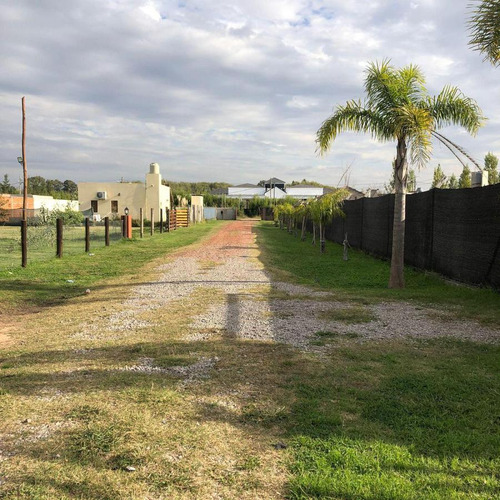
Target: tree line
[37,185]
[440,180]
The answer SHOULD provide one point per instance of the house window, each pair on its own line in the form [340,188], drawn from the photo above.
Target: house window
[93,206]
[114,206]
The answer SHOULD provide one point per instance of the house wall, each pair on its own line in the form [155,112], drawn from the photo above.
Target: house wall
[50,203]
[15,201]
[304,192]
[127,194]
[133,195]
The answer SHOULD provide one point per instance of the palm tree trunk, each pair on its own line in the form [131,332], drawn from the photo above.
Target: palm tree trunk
[396,279]
[321,237]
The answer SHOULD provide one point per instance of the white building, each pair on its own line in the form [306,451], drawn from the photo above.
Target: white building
[107,199]
[275,189]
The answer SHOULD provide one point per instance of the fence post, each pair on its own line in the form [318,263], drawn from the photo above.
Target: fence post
[24,243]
[59,238]
[161,220]
[167,220]
[87,235]
[106,231]
[152,221]
[141,217]
[123,225]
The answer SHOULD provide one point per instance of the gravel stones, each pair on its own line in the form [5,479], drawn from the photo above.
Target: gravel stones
[247,304]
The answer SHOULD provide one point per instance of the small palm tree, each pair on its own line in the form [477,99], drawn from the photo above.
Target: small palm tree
[484,26]
[315,213]
[398,108]
[329,207]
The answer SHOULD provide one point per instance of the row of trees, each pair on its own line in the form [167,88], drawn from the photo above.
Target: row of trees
[38,185]
[440,180]
[290,215]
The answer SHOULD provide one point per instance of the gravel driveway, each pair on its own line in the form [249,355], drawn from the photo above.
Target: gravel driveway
[248,304]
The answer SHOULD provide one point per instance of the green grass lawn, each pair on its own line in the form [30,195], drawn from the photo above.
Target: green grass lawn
[49,280]
[390,419]
[363,278]
[42,242]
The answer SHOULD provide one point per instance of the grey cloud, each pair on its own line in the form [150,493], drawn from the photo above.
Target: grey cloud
[218,91]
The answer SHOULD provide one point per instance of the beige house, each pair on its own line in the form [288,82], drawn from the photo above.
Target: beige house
[108,199]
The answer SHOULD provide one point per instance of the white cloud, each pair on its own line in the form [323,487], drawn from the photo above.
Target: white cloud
[226,91]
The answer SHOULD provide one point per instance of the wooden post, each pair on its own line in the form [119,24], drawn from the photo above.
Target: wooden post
[106,231]
[141,217]
[152,221]
[123,226]
[59,227]
[24,224]
[87,235]
[24,244]
[161,220]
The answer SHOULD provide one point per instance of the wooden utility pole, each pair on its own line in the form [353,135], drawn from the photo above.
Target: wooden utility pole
[24,223]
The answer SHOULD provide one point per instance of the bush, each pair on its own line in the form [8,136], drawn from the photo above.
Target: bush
[68,215]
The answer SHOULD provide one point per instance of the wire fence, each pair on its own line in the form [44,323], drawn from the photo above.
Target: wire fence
[42,241]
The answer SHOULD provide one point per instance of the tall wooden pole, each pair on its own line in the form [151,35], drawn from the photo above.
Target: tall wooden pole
[24,228]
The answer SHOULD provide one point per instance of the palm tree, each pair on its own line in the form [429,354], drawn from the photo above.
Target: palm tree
[484,26]
[330,207]
[398,108]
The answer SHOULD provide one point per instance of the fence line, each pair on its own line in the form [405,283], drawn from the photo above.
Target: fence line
[455,232]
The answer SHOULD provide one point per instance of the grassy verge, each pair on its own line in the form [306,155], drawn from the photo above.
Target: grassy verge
[51,280]
[364,278]
[394,419]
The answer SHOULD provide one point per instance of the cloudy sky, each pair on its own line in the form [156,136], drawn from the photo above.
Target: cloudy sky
[230,90]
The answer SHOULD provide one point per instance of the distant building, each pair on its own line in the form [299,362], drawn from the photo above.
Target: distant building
[275,189]
[107,199]
[11,206]
[354,194]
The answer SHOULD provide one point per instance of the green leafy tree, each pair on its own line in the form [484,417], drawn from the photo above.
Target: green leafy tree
[490,165]
[37,185]
[398,108]
[453,182]
[464,181]
[6,187]
[438,179]
[71,188]
[484,26]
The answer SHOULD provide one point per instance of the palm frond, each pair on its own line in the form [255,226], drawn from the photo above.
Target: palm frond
[352,116]
[453,147]
[411,84]
[415,124]
[379,85]
[484,26]
[451,107]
